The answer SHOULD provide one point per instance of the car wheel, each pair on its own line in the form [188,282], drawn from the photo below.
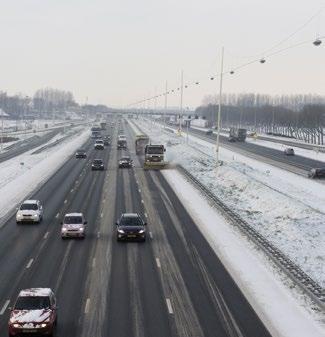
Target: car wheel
[18,222]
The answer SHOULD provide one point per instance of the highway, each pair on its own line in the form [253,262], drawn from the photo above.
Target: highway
[171,285]
[296,163]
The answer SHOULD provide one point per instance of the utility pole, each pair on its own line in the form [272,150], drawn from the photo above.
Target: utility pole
[165,108]
[181,103]
[219,108]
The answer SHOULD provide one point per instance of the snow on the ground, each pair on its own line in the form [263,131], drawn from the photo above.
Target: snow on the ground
[276,307]
[287,209]
[22,174]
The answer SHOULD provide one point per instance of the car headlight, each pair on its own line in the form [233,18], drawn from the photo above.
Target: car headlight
[121,231]
[141,231]
[81,229]
[64,229]
[15,325]
[43,325]
[18,215]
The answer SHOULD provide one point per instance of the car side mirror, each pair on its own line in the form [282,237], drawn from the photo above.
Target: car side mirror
[85,223]
[145,224]
[61,222]
[164,150]
[116,223]
[9,308]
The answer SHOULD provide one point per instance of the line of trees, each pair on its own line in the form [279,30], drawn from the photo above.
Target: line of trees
[44,103]
[296,116]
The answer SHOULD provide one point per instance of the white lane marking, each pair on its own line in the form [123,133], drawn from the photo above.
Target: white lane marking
[101,214]
[142,201]
[46,235]
[146,215]
[158,262]
[98,235]
[151,236]
[94,262]
[65,201]
[29,263]
[57,215]
[169,306]
[139,190]
[71,190]
[87,306]
[4,307]
[77,182]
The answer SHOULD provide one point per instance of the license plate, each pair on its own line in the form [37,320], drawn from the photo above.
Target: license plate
[132,236]
[29,330]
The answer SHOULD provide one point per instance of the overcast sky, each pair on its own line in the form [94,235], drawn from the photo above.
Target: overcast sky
[117,52]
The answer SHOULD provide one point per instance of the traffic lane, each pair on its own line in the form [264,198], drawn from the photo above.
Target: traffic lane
[28,242]
[93,321]
[28,145]
[183,321]
[146,273]
[296,160]
[19,241]
[49,268]
[218,302]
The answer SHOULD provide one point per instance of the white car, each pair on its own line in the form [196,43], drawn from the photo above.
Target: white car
[73,225]
[99,144]
[30,211]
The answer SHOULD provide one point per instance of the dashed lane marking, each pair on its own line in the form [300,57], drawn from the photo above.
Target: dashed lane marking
[57,215]
[94,262]
[146,215]
[150,234]
[46,235]
[169,306]
[29,263]
[87,306]
[65,201]
[4,308]
[158,262]
[142,201]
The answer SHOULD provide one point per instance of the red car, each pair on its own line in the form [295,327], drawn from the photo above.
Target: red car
[35,312]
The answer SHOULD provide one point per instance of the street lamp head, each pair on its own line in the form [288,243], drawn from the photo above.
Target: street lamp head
[231,72]
[317,42]
[211,78]
[262,60]
[197,83]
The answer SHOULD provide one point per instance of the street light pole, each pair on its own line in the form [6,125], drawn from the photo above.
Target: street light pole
[219,108]
[165,109]
[181,104]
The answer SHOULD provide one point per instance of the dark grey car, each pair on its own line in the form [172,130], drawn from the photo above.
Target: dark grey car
[130,227]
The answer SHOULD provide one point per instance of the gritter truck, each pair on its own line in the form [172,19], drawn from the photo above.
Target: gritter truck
[141,141]
[154,157]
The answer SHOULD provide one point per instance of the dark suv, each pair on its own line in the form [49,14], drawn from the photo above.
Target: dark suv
[107,140]
[131,227]
[97,165]
[34,313]
[317,173]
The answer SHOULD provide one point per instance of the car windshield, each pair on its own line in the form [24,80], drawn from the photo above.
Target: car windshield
[155,150]
[32,303]
[73,220]
[81,151]
[25,207]
[131,221]
[98,161]
[125,158]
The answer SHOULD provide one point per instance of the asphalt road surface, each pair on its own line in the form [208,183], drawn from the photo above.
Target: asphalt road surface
[171,285]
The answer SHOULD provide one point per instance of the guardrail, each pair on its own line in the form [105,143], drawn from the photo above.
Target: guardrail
[294,272]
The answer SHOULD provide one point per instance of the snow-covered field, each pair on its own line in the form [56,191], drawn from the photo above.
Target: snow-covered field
[23,174]
[287,209]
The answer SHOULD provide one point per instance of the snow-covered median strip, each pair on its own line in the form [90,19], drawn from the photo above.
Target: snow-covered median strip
[271,300]
[23,174]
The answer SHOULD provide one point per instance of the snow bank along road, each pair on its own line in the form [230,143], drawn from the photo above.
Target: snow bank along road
[172,285]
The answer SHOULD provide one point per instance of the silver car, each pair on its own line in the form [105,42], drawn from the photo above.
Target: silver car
[30,211]
[73,225]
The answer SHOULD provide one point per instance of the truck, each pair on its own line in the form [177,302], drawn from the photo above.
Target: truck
[140,143]
[237,134]
[154,157]
[103,125]
[96,134]
[121,142]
